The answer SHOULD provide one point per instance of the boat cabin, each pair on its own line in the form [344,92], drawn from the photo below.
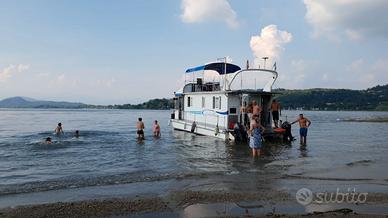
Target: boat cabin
[212,105]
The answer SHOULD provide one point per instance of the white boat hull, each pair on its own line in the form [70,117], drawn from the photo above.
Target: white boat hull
[201,129]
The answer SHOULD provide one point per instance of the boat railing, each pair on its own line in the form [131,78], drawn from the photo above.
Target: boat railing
[253,79]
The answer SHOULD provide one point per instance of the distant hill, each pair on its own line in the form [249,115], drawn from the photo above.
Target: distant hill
[375,98]
[24,102]
[154,104]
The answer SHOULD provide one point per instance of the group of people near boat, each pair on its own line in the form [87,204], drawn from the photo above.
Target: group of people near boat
[139,127]
[251,115]
[252,119]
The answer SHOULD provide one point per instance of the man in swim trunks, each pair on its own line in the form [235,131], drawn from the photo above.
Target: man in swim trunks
[140,128]
[304,124]
[275,107]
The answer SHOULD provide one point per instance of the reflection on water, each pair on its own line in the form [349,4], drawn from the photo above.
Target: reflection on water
[107,151]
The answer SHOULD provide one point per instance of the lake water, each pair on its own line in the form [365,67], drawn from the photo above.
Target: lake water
[107,152]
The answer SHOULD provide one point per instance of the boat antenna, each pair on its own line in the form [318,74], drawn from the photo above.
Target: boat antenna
[225,59]
[265,60]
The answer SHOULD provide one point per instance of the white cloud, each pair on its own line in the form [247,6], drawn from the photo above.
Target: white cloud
[354,19]
[9,71]
[269,43]
[295,75]
[197,11]
[363,74]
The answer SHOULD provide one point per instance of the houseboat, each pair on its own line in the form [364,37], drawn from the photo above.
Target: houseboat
[212,96]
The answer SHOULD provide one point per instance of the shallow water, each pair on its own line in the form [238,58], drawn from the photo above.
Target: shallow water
[107,151]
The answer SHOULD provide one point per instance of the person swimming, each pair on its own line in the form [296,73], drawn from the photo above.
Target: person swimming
[156,129]
[48,140]
[140,128]
[59,129]
[76,134]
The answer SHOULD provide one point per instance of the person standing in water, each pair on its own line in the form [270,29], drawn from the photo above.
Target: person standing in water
[275,107]
[255,131]
[59,130]
[304,124]
[156,129]
[76,134]
[140,128]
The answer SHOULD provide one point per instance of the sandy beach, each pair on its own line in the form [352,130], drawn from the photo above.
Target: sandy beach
[202,196]
[179,204]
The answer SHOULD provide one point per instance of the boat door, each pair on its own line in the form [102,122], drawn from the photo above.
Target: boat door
[178,102]
[266,120]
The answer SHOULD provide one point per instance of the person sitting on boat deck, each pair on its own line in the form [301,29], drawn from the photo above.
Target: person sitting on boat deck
[275,107]
[59,129]
[156,129]
[255,131]
[76,134]
[256,109]
[304,124]
[48,140]
[249,110]
[140,128]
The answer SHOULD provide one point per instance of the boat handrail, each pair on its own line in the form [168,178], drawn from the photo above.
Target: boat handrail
[267,87]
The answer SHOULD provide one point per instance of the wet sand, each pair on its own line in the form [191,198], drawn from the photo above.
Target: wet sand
[196,202]
[170,205]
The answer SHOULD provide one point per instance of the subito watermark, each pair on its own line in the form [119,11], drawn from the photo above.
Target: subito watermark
[305,196]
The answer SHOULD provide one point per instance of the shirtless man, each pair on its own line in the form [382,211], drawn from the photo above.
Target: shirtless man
[256,109]
[59,129]
[140,128]
[304,124]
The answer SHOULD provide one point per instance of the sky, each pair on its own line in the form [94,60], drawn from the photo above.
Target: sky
[129,51]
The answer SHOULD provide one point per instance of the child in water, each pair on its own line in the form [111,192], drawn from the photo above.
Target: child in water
[59,129]
[156,129]
[48,140]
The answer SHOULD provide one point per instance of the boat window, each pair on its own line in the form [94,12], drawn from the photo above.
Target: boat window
[217,102]
[189,103]
[233,110]
[203,102]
